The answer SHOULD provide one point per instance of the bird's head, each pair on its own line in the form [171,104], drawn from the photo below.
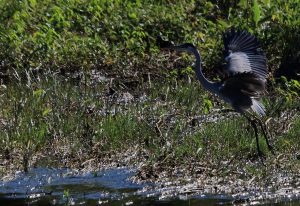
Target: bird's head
[168,45]
[186,47]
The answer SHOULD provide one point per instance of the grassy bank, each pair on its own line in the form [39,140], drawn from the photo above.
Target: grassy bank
[85,80]
[175,123]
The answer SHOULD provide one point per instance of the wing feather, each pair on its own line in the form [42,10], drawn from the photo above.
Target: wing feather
[243,53]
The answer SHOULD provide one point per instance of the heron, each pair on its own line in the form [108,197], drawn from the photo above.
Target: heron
[245,79]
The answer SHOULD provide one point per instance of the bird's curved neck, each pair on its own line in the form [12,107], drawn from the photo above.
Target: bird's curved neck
[205,82]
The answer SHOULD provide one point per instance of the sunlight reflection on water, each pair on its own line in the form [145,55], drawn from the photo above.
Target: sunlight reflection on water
[42,186]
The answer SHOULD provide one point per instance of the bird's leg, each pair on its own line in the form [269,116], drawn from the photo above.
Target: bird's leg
[254,126]
[264,131]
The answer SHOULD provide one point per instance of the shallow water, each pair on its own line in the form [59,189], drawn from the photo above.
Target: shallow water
[43,186]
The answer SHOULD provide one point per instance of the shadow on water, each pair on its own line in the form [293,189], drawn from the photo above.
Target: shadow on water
[43,187]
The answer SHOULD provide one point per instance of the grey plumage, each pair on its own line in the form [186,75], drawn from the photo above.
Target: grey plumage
[246,71]
[244,54]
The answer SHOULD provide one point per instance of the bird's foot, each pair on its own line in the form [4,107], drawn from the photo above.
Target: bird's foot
[271,149]
[261,157]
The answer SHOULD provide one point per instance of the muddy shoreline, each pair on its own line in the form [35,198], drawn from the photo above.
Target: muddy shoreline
[276,183]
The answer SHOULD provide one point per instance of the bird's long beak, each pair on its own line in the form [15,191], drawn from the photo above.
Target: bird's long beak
[169,45]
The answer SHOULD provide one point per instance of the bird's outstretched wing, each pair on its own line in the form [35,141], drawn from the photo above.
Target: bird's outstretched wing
[243,53]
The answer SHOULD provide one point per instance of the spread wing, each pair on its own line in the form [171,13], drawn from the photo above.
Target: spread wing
[243,53]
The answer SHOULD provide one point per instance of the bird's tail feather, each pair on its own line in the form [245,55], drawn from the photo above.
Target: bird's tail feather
[258,108]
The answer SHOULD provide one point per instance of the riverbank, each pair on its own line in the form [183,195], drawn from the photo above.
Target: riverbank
[177,135]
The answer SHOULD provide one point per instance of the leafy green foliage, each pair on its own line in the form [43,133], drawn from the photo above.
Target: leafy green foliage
[289,93]
[84,35]
[256,12]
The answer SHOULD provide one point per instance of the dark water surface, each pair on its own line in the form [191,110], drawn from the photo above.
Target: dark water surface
[43,187]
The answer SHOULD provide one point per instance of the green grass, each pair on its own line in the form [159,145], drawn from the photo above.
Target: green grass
[173,124]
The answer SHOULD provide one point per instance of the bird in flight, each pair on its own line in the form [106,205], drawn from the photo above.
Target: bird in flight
[246,72]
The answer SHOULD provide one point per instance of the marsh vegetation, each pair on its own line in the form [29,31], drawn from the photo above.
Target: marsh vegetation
[84,85]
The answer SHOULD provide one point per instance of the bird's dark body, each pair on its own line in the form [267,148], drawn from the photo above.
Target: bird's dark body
[241,89]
